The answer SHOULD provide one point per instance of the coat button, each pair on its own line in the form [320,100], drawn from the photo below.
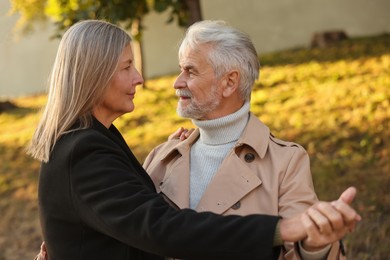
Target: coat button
[249,157]
[236,205]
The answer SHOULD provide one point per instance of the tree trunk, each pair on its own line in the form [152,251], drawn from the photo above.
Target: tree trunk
[136,32]
[194,11]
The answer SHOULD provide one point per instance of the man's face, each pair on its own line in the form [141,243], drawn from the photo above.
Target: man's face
[198,89]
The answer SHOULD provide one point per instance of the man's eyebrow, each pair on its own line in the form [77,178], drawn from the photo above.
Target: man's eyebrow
[188,67]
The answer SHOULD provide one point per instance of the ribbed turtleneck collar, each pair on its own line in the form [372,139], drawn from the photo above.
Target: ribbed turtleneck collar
[225,129]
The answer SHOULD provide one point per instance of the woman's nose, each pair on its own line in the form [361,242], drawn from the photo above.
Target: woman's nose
[139,80]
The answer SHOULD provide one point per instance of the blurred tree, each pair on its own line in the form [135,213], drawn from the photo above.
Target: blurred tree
[186,12]
[126,13]
[194,11]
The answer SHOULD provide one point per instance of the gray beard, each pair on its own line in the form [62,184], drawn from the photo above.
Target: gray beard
[197,112]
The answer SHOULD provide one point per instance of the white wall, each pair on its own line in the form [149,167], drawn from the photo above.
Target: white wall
[281,24]
[273,25]
[25,63]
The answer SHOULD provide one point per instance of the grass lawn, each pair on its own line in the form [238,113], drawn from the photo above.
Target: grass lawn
[334,101]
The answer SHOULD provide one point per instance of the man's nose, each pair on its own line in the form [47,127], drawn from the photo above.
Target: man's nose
[179,82]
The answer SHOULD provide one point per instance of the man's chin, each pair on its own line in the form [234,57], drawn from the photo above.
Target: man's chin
[183,113]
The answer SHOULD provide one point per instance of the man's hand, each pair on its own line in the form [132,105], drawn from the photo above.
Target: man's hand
[323,223]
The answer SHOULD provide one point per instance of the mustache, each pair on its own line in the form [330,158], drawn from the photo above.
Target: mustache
[183,93]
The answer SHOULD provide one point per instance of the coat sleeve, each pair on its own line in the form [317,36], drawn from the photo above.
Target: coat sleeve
[111,197]
[296,194]
[296,190]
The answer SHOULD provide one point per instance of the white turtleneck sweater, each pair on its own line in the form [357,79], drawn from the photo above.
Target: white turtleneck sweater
[217,138]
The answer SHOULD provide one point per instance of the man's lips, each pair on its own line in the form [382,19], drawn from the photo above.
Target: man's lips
[183,94]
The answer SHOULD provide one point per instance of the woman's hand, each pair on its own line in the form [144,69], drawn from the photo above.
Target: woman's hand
[181,133]
[43,253]
[328,222]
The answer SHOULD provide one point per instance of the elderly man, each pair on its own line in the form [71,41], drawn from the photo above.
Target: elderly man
[231,164]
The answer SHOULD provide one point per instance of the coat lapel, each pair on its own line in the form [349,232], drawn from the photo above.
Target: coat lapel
[233,181]
[114,134]
[176,184]
[230,184]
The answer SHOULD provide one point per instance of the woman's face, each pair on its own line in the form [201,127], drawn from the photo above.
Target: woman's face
[119,96]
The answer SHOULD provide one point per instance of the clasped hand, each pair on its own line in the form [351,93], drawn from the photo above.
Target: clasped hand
[322,223]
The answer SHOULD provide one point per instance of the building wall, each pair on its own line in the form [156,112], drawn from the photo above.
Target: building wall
[273,25]
[25,62]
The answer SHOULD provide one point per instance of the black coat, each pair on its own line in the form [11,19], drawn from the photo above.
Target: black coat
[97,202]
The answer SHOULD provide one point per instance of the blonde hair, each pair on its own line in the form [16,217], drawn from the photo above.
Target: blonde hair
[86,61]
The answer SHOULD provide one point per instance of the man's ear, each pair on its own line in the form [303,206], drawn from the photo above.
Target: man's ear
[230,83]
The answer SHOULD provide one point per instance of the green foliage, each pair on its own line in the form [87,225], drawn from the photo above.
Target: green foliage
[65,13]
[334,101]
[30,12]
[178,10]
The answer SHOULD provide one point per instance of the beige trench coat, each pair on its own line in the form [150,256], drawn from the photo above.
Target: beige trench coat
[260,175]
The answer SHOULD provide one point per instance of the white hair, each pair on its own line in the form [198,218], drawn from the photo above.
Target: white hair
[230,49]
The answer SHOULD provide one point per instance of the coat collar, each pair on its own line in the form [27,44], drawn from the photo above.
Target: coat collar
[231,182]
[181,147]
[255,129]
[114,134]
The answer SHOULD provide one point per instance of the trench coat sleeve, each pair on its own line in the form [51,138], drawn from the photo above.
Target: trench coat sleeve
[296,194]
[296,190]
[112,197]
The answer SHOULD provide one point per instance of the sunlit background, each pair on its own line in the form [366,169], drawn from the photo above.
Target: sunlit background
[333,99]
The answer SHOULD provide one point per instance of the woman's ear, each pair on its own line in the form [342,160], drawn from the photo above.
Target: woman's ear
[230,83]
